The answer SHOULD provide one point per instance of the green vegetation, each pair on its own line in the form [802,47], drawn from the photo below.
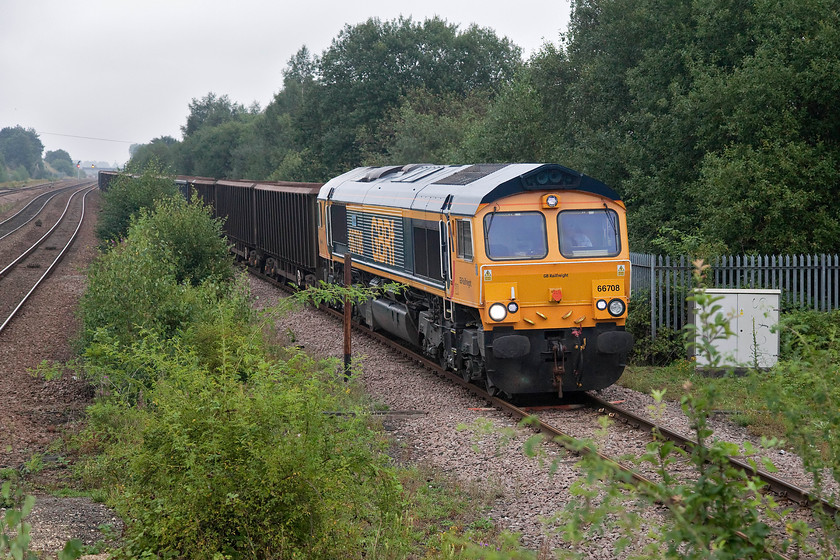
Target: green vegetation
[212,441]
[20,157]
[790,405]
[773,403]
[20,152]
[126,196]
[61,162]
[383,91]
[713,512]
[661,351]
[715,121]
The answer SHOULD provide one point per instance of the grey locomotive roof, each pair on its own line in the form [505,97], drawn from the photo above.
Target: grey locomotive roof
[455,189]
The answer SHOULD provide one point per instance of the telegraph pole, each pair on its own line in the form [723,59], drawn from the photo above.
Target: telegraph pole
[348,311]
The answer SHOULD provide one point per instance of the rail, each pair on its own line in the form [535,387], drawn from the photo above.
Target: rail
[54,261]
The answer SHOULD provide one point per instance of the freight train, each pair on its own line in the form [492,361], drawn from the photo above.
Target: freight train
[517,275]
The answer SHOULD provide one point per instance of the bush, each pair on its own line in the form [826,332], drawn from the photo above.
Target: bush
[19,174]
[803,390]
[126,196]
[713,512]
[210,448]
[218,462]
[187,235]
[256,471]
[659,351]
[160,278]
[806,331]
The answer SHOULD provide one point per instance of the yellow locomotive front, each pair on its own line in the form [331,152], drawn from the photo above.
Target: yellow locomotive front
[551,279]
[517,275]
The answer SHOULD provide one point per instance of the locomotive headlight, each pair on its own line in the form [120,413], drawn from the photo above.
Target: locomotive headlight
[550,201]
[601,304]
[498,312]
[616,307]
[513,307]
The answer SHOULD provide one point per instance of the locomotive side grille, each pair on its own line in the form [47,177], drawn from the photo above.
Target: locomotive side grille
[376,237]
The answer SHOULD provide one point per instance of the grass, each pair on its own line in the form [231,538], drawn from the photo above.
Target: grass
[442,509]
[21,184]
[743,400]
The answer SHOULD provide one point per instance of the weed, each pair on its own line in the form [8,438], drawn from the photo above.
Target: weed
[34,464]
[712,515]
[15,531]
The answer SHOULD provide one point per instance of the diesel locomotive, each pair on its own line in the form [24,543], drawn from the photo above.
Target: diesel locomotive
[517,275]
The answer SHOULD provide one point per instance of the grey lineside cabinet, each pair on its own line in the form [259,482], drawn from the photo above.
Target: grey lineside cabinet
[752,316]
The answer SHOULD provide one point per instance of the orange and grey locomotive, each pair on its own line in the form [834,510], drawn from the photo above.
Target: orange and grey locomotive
[518,275]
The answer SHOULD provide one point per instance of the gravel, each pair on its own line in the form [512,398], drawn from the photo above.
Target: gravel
[489,460]
[34,412]
[492,460]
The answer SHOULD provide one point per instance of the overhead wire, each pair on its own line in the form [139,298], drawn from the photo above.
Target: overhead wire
[87,137]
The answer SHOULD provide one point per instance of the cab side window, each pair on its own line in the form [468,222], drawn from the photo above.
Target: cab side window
[464,233]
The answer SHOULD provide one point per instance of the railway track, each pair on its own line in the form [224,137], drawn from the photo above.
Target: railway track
[5,192]
[32,255]
[778,486]
[29,212]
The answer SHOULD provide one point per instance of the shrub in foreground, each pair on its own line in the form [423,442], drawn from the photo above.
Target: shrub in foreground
[255,470]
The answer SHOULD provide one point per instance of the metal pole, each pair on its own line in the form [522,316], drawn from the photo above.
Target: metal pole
[348,308]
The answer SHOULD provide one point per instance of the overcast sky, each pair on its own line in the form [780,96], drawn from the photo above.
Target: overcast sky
[119,72]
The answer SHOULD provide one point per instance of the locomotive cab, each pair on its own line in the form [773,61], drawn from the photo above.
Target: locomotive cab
[554,292]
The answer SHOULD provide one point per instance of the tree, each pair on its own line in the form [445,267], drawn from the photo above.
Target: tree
[53,156]
[694,112]
[514,128]
[284,127]
[61,161]
[160,151]
[425,127]
[127,196]
[772,132]
[211,111]
[774,197]
[371,67]
[210,151]
[22,148]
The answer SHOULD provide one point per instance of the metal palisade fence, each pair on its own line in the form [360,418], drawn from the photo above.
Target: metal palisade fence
[806,282]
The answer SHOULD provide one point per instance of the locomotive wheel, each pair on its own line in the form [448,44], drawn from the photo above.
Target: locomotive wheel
[490,388]
[442,357]
[466,374]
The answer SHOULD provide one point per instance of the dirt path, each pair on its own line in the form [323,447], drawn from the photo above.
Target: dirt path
[35,412]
